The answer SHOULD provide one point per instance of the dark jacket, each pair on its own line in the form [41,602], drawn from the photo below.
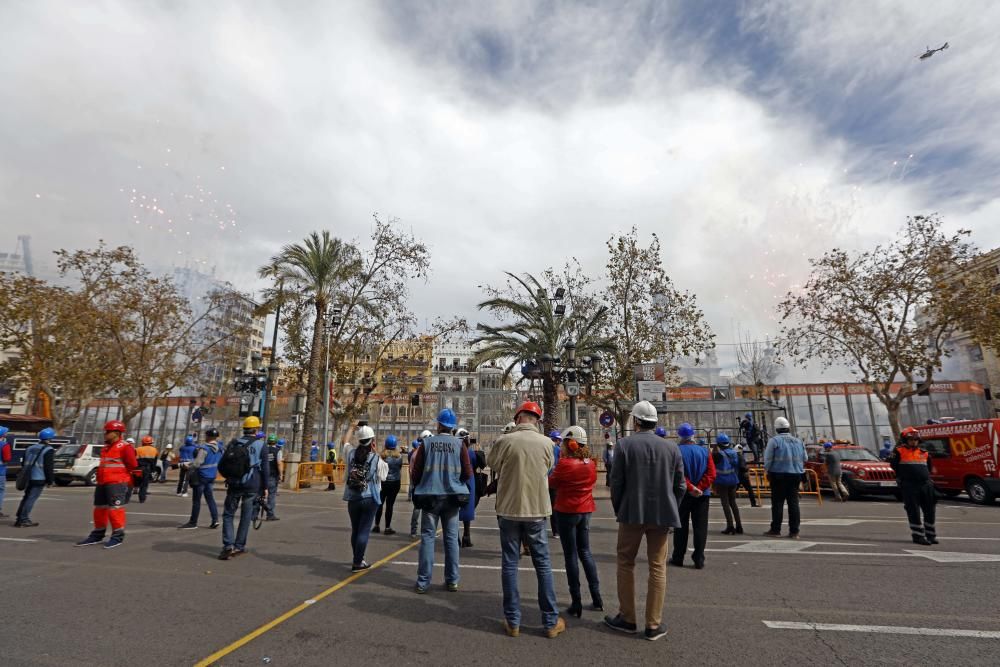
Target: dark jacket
[647,481]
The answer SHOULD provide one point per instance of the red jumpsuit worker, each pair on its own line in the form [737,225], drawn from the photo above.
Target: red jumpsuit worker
[114,479]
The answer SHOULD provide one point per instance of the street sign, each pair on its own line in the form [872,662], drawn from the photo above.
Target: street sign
[572,388]
[607,419]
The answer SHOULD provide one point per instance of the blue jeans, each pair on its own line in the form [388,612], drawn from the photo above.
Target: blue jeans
[272,494]
[234,499]
[3,485]
[428,536]
[31,494]
[362,513]
[203,489]
[574,533]
[534,535]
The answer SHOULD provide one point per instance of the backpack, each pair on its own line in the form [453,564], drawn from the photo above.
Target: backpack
[235,462]
[357,477]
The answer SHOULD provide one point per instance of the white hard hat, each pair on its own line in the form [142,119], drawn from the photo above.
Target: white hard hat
[365,433]
[781,424]
[576,433]
[462,433]
[130,441]
[644,411]
[509,427]
[425,434]
[170,445]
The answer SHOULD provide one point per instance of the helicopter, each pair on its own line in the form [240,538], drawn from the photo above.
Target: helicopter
[930,52]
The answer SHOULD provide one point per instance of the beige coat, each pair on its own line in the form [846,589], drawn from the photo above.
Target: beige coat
[522,459]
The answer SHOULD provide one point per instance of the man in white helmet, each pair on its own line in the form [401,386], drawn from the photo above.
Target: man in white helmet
[647,485]
[784,462]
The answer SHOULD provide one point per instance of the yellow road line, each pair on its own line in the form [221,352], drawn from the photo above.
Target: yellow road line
[221,653]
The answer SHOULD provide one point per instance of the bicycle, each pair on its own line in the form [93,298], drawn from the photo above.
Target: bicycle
[259,511]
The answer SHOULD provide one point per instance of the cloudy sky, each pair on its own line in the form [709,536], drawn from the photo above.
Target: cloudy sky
[510,135]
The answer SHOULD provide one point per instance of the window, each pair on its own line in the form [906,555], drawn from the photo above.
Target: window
[938,449]
[975,352]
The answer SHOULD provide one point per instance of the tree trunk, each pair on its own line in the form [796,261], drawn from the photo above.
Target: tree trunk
[312,384]
[892,406]
[550,400]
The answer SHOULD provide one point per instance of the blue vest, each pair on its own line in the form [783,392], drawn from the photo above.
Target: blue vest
[35,457]
[695,462]
[395,464]
[210,466]
[442,468]
[186,453]
[725,472]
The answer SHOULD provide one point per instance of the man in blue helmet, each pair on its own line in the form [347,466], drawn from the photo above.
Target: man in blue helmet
[727,480]
[439,472]
[184,458]
[556,438]
[4,460]
[660,431]
[699,473]
[835,473]
[39,461]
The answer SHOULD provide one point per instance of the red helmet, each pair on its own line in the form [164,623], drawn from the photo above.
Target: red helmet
[910,432]
[530,406]
[147,439]
[114,425]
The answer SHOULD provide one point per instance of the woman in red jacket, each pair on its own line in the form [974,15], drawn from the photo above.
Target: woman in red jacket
[573,480]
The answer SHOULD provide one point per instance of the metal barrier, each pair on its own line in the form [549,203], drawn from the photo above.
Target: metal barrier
[762,485]
[319,472]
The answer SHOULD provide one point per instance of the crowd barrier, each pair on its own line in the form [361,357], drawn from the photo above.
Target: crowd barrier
[762,486]
[320,473]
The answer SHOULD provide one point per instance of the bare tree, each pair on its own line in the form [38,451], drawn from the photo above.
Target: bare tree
[756,361]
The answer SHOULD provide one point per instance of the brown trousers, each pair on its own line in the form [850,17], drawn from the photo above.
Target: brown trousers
[629,538]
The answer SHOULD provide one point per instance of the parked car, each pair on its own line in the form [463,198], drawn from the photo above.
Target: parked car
[863,472]
[965,456]
[77,463]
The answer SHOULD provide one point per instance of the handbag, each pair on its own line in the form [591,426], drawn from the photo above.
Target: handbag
[24,474]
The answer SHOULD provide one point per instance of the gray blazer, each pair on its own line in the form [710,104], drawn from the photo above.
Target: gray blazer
[647,480]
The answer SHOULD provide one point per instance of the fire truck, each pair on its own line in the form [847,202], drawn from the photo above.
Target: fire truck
[964,457]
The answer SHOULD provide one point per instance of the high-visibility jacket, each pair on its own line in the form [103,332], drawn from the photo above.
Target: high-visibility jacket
[117,463]
[147,454]
[912,465]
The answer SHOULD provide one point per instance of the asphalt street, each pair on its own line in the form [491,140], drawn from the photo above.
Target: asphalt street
[849,592]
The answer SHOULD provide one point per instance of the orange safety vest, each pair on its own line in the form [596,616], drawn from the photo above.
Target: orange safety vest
[912,456]
[112,468]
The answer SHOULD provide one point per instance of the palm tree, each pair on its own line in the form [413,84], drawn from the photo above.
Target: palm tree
[314,268]
[535,330]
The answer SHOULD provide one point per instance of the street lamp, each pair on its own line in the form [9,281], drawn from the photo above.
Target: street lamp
[330,324]
[250,381]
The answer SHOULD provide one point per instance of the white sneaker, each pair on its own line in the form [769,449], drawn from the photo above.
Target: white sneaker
[184,495]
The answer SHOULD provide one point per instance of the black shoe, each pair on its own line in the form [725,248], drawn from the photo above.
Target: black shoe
[921,540]
[620,624]
[360,566]
[466,541]
[376,529]
[699,565]
[675,563]
[187,526]
[272,518]
[739,530]
[18,524]
[773,533]
[932,540]
[575,609]
[729,531]
[389,531]
[652,634]
[226,554]
[598,605]
[237,552]
[29,524]
[214,524]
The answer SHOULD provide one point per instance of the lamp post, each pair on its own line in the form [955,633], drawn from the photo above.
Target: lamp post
[574,374]
[329,324]
[272,367]
[294,456]
[253,382]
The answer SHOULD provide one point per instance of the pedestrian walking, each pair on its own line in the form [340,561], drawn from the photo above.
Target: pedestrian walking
[184,457]
[743,473]
[147,454]
[276,463]
[165,462]
[245,466]
[467,513]
[647,486]
[556,438]
[201,476]
[609,459]
[574,478]
[416,513]
[727,464]
[784,462]
[440,470]
[391,485]
[314,452]
[699,474]
[111,495]
[522,460]
[5,456]
[331,460]
[913,469]
[39,460]
[835,473]
[363,493]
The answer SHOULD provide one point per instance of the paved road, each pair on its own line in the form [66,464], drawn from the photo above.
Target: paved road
[164,599]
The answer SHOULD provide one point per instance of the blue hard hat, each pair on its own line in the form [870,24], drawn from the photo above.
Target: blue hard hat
[281,442]
[749,415]
[3,431]
[685,430]
[447,418]
[415,444]
[47,434]
[189,440]
[827,445]
[722,439]
[390,442]
[660,431]
[555,435]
